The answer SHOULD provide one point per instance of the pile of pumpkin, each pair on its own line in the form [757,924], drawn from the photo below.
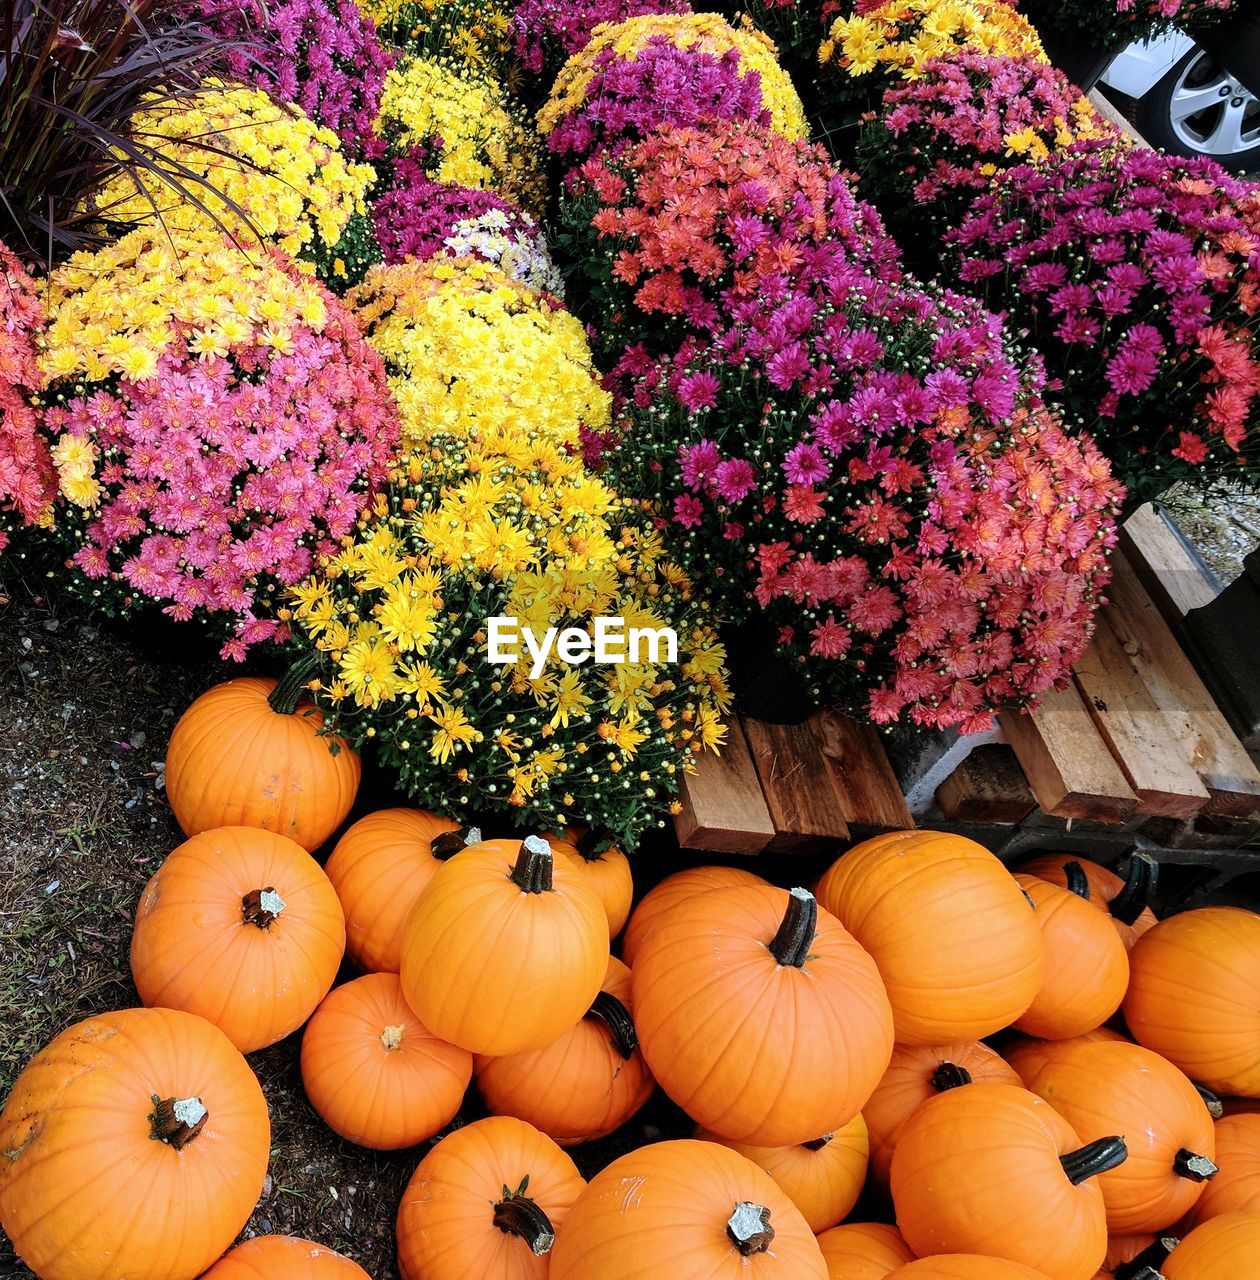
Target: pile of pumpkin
[805,1033]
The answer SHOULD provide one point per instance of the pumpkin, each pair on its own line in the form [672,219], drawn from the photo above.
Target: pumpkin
[374,1073]
[1192,996]
[607,871]
[143,1116]
[585,1084]
[823,1178]
[486,1202]
[1135,1257]
[1126,902]
[1223,1248]
[1122,1088]
[1236,1188]
[918,1072]
[284,1258]
[378,868]
[956,942]
[994,1167]
[760,1016]
[690,1210]
[242,927]
[1086,966]
[863,1251]
[670,892]
[1028,1054]
[506,948]
[965,1266]
[252,752]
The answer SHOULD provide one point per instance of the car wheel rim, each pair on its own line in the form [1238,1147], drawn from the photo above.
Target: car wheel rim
[1211,112]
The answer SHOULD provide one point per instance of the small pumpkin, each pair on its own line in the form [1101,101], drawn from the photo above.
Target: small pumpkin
[1126,902]
[994,1167]
[1236,1188]
[1223,1248]
[486,1201]
[585,1084]
[823,1178]
[290,1257]
[1027,1054]
[252,752]
[607,871]
[916,1073]
[691,1210]
[1192,996]
[760,1016]
[240,926]
[956,942]
[137,1116]
[863,1251]
[379,868]
[1086,966]
[965,1266]
[670,892]
[374,1073]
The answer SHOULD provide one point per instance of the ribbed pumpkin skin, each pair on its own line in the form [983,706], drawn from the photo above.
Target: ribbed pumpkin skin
[1086,966]
[1029,1054]
[496,970]
[579,1087]
[1104,886]
[759,1052]
[661,1211]
[1236,1189]
[284,1258]
[379,869]
[978,1168]
[1224,1248]
[192,948]
[608,873]
[955,940]
[1192,996]
[673,890]
[445,1222]
[233,761]
[1102,1089]
[966,1266]
[77,1121]
[374,1073]
[907,1084]
[863,1251]
[823,1184]
[1122,1249]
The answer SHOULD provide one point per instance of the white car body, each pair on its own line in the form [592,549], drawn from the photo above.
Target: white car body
[1135,71]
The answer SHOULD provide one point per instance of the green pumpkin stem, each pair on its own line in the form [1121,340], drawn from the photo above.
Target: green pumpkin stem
[284,698]
[1146,1265]
[606,1008]
[790,946]
[517,1215]
[532,873]
[1077,880]
[177,1121]
[262,907]
[449,843]
[749,1229]
[1192,1167]
[1139,885]
[817,1144]
[1095,1158]
[1216,1108]
[949,1075]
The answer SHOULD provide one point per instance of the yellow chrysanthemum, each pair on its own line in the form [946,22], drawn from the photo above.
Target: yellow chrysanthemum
[476,33]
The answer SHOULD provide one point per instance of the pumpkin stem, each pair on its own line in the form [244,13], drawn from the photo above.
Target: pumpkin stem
[949,1075]
[449,843]
[532,873]
[749,1229]
[517,1215]
[1216,1108]
[790,946]
[392,1036]
[1095,1158]
[592,845]
[818,1143]
[284,698]
[1139,885]
[262,907]
[606,1008]
[1146,1265]
[177,1121]
[1077,880]
[1195,1168]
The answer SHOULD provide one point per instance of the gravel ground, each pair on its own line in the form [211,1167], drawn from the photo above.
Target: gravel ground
[1224,530]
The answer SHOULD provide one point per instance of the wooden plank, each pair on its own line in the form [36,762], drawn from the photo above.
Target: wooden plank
[799,792]
[1115,117]
[1135,731]
[1207,741]
[870,797]
[1176,580]
[988,786]
[723,809]
[1068,766]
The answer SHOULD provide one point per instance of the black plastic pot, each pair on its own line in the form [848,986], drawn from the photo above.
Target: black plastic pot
[766,685]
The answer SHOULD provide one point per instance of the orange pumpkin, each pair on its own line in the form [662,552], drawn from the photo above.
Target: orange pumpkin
[607,871]
[670,892]
[760,1016]
[1028,1054]
[1236,1188]
[242,927]
[585,1084]
[965,1266]
[863,1251]
[1101,1089]
[956,942]
[140,1116]
[1128,1255]
[690,1210]
[374,1073]
[1086,966]
[1224,1248]
[1192,996]
[823,1178]
[1126,902]
[486,1202]
[286,1257]
[252,752]
[916,1073]
[379,868]
[994,1167]
[506,948]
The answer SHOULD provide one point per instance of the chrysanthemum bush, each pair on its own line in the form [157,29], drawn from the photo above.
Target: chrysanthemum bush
[217,422]
[470,33]
[1138,276]
[1119,22]
[547,32]
[512,525]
